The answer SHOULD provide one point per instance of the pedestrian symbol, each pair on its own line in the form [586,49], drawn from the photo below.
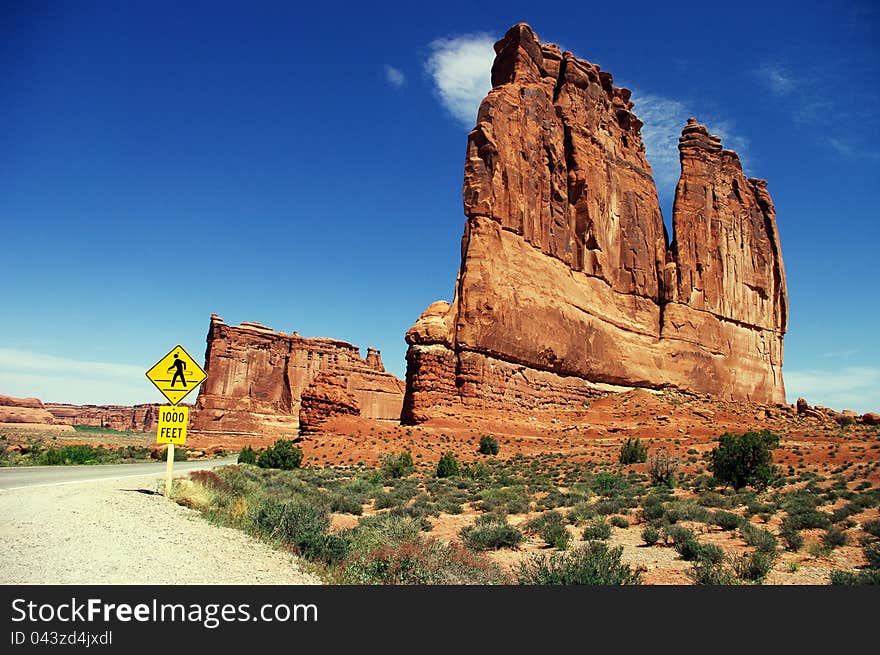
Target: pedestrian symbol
[176,374]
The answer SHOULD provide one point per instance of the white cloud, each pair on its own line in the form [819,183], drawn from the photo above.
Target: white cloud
[853,387]
[663,120]
[461,68]
[60,379]
[777,79]
[394,76]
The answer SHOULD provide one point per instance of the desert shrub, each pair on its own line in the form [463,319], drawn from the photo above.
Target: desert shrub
[397,466]
[384,529]
[581,512]
[793,539]
[282,455]
[247,456]
[677,534]
[298,523]
[687,511]
[744,459]
[705,572]
[402,492]
[871,577]
[550,526]
[609,484]
[489,445]
[633,452]
[710,553]
[689,549]
[662,467]
[872,554]
[834,537]
[726,520]
[753,566]
[77,454]
[650,535]
[843,513]
[210,479]
[600,530]
[421,562]
[507,500]
[592,564]
[761,539]
[652,508]
[347,503]
[447,467]
[872,528]
[618,522]
[490,532]
[714,499]
[607,506]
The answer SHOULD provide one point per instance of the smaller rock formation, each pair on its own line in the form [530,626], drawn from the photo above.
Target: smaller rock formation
[256,378]
[137,418]
[325,398]
[24,411]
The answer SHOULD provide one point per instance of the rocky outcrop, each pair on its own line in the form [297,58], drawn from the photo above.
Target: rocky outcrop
[256,377]
[325,398]
[567,279]
[136,418]
[24,410]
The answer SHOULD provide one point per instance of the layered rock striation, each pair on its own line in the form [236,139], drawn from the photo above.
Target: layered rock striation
[567,277]
[256,378]
[136,418]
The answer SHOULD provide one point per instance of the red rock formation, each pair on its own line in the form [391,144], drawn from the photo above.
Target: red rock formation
[326,397]
[24,410]
[566,278]
[256,377]
[136,418]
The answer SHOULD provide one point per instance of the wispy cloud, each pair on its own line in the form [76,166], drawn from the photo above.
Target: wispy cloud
[394,76]
[853,387]
[842,353]
[777,79]
[461,69]
[61,379]
[663,120]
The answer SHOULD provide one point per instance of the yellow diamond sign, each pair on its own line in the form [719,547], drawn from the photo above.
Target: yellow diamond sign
[176,374]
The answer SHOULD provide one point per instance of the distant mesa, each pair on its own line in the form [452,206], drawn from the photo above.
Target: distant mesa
[568,280]
[257,376]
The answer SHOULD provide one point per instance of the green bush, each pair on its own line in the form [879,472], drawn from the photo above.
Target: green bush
[592,564]
[298,523]
[834,537]
[871,577]
[489,445]
[447,467]
[633,452]
[397,466]
[600,530]
[652,508]
[490,532]
[282,455]
[710,553]
[726,520]
[763,540]
[650,535]
[793,539]
[745,459]
[507,500]
[419,562]
[678,534]
[872,528]
[872,554]
[618,522]
[704,572]
[550,526]
[753,567]
[247,456]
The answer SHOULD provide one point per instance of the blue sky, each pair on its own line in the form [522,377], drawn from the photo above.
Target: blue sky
[302,167]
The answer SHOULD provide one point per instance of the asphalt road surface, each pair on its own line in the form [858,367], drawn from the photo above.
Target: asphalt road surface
[21,477]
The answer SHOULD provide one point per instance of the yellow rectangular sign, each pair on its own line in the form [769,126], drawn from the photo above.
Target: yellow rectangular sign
[172,424]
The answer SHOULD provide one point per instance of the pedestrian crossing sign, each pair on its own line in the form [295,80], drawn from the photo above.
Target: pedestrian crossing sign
[176,374]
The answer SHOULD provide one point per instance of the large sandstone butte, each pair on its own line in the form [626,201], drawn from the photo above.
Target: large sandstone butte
[135,418]
[567,278]
[256,378]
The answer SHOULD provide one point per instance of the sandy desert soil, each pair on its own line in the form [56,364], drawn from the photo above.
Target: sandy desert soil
[110,533]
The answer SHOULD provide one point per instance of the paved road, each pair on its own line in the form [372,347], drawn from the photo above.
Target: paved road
[42,476]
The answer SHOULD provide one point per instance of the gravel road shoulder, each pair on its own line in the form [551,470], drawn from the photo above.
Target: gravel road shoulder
[108,533]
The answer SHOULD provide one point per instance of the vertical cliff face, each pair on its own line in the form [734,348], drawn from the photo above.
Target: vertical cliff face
[256,377]
[566,278]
